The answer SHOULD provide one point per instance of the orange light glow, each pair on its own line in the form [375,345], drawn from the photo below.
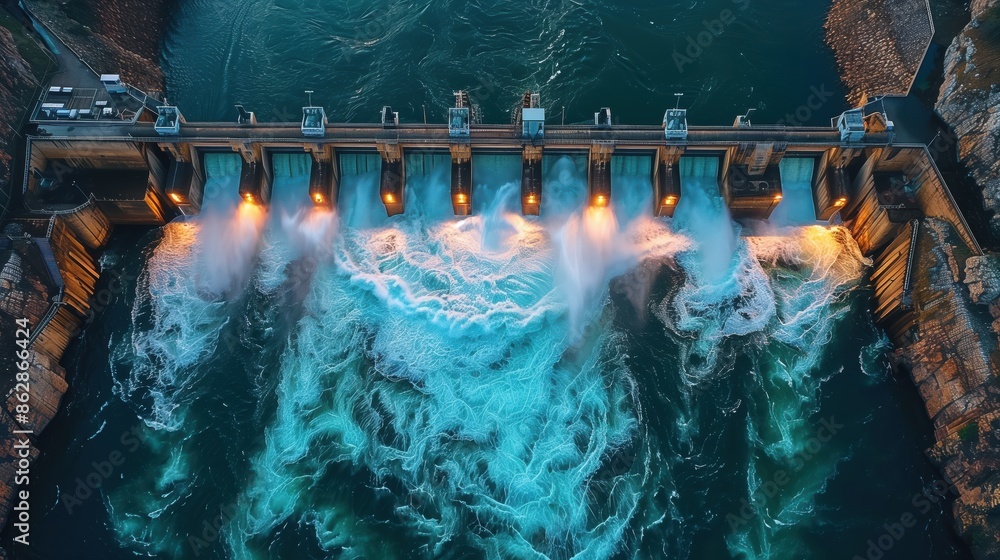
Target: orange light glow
[318,198]
[532,199]
[778,197]
[175,197]
[840,201]
[601,200]
[250,214]
[248,197]
[461,198]
[599,225]
[389,199]
[670,200]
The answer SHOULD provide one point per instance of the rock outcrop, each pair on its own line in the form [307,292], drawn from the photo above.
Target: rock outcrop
[16,80]
[953,361]
[112,36]
[982,275]
[25,293]
[46,282]
[969,100]
[879,44]
[950,348]
[47,279]
[970,458]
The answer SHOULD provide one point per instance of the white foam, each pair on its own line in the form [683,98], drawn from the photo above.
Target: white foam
[502,410]
[469,361]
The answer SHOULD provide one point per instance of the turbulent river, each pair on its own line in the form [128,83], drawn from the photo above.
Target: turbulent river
[591,383]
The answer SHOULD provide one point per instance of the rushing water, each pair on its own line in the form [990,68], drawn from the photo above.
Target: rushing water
[592,383]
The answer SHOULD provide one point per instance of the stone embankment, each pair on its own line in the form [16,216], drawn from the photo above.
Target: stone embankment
[112,36]
[969,100]
[951,352]
[48,275]
[16,81]
[878,44]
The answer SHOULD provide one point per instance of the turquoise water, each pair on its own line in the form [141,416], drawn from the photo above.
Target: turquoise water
[300,383]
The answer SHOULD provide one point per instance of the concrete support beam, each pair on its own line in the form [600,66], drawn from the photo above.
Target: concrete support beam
[599,173]
[460,152]
[251,152]
[667,181]
[461,178]
[671,155]
[531,180]
[180,152]
[390,151]
[324,186]
[322,153]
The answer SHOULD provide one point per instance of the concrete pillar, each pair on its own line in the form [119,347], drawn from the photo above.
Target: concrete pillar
[249,151]
[599,173]
[393,178]
[531,180]
[461,179]
[667,180]
[251,183]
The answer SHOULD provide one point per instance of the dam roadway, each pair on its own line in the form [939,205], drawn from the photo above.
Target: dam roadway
[437,136]
[172,151]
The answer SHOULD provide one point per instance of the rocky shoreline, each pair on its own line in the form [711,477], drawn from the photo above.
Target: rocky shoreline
[968,449]
[951,350]
[53,302]
[953,361]
[18,83]
[969,100]
[112,36]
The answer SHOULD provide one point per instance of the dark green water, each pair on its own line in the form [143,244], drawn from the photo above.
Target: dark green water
[584,55]
[591,384]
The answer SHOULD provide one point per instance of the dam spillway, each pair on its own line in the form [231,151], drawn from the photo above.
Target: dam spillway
[789,175]
[173,152]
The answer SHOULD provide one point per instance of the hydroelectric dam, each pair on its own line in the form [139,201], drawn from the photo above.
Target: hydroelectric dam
[95,173]
[580,323]
[748,156]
